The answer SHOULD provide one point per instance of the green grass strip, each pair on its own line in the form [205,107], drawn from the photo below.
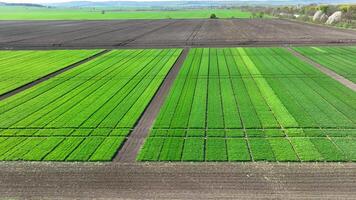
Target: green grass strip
[195,133]
[21,150]
[107,150]
[172,149]
[280,112]
[120,132]
[9,144]
[40,151]
[348,146]
[235,133]
[216,149]
[261,149]
[282,149]
[61,152]
[237,150]
[193,149]
[151,149]
[306,149]
[328,150]
[85,149]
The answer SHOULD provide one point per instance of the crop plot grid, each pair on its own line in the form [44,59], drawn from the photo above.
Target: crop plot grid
[253,104]
[85,113]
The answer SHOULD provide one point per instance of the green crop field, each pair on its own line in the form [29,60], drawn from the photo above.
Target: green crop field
[22,67]
[85,113]
[27,13]
[253,104]
[341,60]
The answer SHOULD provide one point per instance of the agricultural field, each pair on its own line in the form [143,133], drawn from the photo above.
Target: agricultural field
[253,104]
[27,13]
[341,60]
[21,67]
[85,113]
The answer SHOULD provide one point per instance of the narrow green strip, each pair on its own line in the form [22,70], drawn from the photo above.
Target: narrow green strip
[280,112]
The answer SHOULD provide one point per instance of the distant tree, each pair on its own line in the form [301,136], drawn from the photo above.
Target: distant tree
[261,14]
[254,15]
[103,12]
[213,16]
[344,9]
[324,9]
[349,12]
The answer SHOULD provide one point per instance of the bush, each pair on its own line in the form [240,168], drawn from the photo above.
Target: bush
[213,16]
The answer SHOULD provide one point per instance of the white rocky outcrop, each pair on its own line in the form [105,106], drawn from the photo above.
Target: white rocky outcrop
[324,18]
[334,18]
[317,15]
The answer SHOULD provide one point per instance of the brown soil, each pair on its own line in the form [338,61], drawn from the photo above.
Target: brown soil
[166,33]
[178,180]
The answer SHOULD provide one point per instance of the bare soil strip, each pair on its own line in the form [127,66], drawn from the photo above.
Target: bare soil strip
[26,180]
[143,34]
[135,140]
[48,76]
[167,33]
[325,70]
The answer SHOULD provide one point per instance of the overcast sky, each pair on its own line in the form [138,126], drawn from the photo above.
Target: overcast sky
[55,1]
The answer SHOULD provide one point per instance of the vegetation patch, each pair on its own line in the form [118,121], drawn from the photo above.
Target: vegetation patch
[256,104]
[83,114]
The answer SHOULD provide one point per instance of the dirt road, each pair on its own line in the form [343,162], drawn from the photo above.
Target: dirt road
[178,180]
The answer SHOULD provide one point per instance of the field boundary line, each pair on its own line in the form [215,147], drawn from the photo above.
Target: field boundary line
[344,81]
[50,75]
[135,140]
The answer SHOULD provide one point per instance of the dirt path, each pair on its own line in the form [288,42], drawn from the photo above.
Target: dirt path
[132,145]
[325,70]
[29,180]
[48,76]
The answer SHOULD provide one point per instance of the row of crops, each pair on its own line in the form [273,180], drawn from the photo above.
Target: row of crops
[56,148]
[265,98]
[21,67]
[226,104]
[249,149]
[254,88]
[86,112]
[342,60]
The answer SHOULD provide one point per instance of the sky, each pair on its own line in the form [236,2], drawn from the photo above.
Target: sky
[57,1]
